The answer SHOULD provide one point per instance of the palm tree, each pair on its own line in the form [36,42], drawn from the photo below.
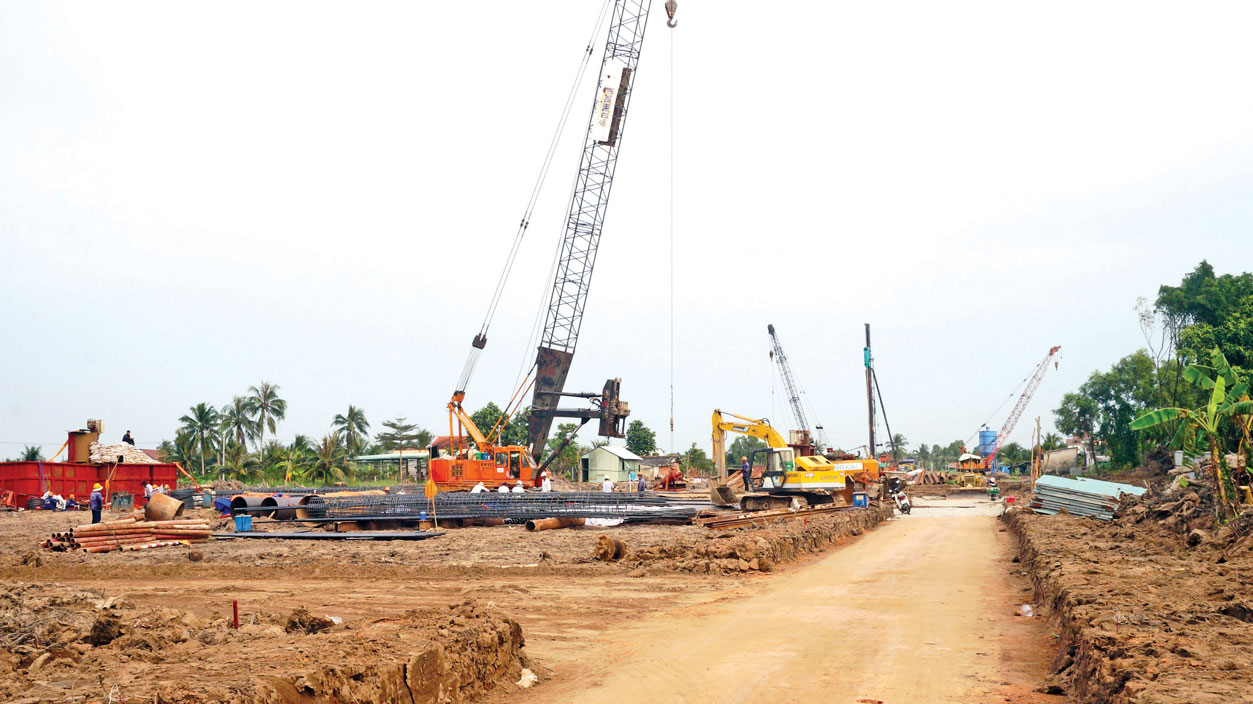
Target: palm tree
[301,443]
[241,465]
[353,427]
[201,422]
[327,465]
[236,424]
[264,401]
[32,453]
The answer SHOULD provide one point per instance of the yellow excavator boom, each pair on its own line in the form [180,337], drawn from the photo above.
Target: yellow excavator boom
[755,427]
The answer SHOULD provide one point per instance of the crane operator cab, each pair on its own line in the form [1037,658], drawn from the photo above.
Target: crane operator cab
[503,464]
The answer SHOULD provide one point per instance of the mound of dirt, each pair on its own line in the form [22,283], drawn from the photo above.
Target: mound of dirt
[1141,616]
[301,621]
[757,547]
[71,644]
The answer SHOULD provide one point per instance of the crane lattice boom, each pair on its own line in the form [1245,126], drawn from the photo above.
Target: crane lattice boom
[586,217]
[1019,407]
[789,380]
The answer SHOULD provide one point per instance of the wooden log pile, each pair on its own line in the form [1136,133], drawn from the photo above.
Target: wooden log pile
[128,535]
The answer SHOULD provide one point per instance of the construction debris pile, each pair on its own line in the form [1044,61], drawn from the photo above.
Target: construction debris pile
[106,453]
[129,534]
[1189,512]
[1080,497]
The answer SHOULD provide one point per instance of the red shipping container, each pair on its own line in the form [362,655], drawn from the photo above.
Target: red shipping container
[32,479]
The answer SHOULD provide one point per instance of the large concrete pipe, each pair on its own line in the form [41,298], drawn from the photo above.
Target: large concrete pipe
[310,506]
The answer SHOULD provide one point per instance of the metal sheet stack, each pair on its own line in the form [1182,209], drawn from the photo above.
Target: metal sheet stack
[1080,496]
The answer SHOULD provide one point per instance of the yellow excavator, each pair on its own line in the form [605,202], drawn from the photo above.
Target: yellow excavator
[788,480]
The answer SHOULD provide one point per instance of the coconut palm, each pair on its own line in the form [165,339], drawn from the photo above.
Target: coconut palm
[264,402]
[241,465]
[32,453]
[353,428]
[200,422]
[327,465]
[236,423]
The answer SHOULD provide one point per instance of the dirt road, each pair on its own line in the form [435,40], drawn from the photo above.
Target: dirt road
[920,610]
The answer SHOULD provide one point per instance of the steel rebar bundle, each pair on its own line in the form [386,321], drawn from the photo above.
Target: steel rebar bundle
[516,507]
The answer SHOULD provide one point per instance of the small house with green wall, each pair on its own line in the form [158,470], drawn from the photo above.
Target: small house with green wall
[617,463]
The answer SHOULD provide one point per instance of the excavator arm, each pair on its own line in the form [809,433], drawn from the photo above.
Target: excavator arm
[755,427]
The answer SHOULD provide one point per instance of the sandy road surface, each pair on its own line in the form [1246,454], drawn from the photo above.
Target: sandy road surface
[919,610]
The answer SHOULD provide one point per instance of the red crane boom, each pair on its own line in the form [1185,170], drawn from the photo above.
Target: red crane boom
[1019,407]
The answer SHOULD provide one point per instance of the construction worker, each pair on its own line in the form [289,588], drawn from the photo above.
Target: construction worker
[642,486]
[128,439]
[502,489]
[96,502]
[546,485]
[149,490]
[479,488]
[607,485]
[518,488]
[746,473]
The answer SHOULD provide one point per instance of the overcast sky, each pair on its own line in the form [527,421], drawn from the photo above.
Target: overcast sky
[197,197]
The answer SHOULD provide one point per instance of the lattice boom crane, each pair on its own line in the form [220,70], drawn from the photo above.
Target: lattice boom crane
[1014,415]
[789,380]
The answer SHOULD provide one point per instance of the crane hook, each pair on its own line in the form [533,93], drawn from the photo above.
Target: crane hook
[671,7]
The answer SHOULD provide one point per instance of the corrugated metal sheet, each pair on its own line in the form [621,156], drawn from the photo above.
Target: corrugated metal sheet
[1080,497]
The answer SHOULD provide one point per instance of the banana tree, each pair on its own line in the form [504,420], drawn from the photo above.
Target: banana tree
[1206,427]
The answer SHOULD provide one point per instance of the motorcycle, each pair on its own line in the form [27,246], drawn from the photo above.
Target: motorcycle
[896,490]
[902,502]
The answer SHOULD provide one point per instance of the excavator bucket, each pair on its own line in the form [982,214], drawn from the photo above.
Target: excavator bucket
[723,495]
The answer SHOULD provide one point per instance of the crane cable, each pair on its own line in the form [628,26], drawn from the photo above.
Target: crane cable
[670,10]
[480,340]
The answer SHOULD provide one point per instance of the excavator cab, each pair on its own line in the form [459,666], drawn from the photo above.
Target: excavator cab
[778,462]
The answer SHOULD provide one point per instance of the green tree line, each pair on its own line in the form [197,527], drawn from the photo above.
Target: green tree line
[1181,328]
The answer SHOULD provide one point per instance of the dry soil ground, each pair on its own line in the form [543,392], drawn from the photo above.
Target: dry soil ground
[919,609]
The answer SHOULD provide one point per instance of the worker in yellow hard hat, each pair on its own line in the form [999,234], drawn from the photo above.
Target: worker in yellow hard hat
[746,473]
[96,503]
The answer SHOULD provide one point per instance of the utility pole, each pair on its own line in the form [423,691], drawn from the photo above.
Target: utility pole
[870,394]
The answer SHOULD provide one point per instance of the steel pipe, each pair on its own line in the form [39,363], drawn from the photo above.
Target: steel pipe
[539,524]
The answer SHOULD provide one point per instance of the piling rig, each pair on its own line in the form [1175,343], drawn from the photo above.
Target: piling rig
[567,300]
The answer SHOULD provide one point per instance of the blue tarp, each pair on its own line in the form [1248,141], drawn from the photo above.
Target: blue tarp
[223,505]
